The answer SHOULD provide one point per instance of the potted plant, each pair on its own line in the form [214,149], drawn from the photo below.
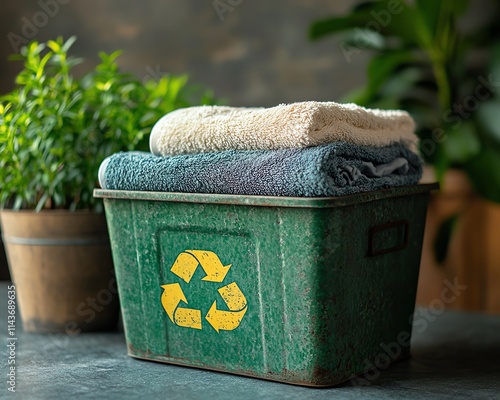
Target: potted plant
[54,132]
[439,61]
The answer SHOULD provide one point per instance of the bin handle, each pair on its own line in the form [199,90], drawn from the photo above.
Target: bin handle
[372,251]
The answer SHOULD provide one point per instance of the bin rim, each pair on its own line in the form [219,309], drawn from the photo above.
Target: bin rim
[266,201]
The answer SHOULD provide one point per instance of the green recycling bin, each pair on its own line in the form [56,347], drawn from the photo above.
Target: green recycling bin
[307,291]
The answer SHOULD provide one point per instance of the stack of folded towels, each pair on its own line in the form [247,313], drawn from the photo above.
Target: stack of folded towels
[310,149]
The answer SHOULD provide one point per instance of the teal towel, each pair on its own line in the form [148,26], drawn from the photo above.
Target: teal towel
[333,169]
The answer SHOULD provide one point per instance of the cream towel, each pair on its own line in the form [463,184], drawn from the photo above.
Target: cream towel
[216,128]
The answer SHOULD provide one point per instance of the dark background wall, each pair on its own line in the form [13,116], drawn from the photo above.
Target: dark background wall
[255,53]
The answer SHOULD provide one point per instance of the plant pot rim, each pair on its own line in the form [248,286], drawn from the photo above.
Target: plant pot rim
[46,211]
[20,222]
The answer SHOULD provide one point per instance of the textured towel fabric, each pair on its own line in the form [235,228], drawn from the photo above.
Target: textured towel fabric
[334,169]
[218,128]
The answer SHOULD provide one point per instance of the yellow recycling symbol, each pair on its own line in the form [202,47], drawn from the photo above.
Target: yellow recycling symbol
[184,267]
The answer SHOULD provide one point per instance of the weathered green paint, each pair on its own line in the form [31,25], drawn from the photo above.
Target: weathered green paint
[319,307]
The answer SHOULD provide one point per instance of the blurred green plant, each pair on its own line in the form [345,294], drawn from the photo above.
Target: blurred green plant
[55,130]
[447,77]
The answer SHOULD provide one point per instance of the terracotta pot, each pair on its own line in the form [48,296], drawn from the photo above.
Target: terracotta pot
[473,258]
[61,265]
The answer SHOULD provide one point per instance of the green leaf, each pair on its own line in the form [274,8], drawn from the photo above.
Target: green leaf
[113,56]
[67,45]
[430,10]
[459,7]
[357,96]
[488,116]
[484,173]
[54,46]
[42,201]
[462,144]
[382,67]
[366,39]
[338,24]
[392,92]
[434,12]
[398,20]
[494,67]
[42,64]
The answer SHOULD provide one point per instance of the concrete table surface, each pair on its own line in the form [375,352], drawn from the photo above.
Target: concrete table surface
[454,355]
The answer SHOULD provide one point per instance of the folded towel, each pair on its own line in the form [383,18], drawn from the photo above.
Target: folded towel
[217,128]
[334,169]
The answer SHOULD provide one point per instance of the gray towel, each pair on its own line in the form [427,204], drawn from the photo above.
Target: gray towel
[334,169]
